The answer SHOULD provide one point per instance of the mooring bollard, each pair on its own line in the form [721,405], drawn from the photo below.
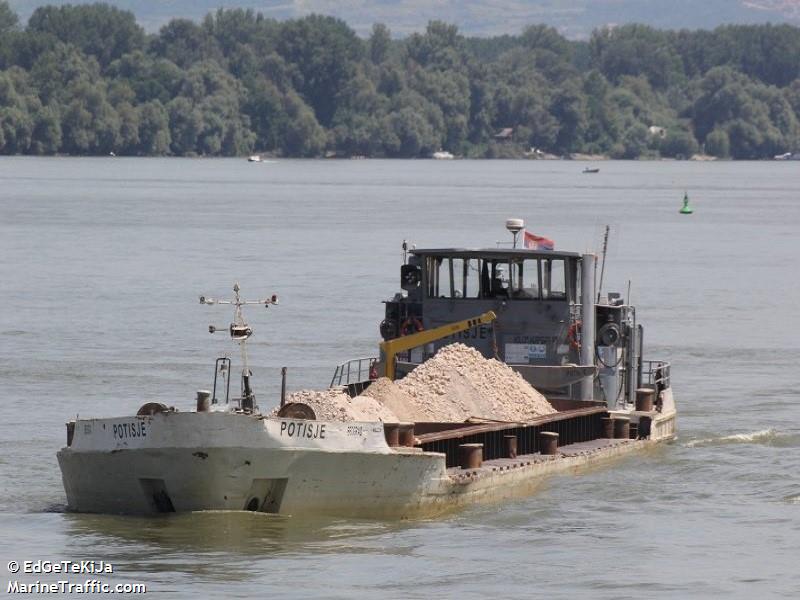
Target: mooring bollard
[203,400]
[622,428]
[644,399]
[471,455]
[510,445]
[392,433]
[608,427]
[406,434]
[548,442]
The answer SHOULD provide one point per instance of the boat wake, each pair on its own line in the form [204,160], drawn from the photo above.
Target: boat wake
[763,436]
[51,507]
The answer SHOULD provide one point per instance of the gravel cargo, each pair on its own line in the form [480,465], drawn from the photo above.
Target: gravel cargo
[457,384]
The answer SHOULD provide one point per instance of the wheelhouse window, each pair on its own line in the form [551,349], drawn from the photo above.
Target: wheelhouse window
[554,283]
[433,276]
[452,277]
[513,278]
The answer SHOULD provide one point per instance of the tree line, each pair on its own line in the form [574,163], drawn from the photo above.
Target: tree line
[88,80]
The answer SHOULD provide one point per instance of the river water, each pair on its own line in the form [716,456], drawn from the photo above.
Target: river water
[101,264]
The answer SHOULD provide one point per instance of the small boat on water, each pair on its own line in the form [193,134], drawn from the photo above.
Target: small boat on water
[254,158]
[442,155]
[591,170]
[538,311]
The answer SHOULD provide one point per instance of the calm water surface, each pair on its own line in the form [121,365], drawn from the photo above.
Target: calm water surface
[101,263]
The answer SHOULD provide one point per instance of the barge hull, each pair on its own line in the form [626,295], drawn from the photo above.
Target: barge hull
[287,482]
[258,471]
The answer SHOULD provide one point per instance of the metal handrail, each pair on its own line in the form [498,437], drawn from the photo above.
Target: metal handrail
[656,373]
[354,370]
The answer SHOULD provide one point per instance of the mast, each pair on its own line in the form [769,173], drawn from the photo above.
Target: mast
[240,331]
[603,264]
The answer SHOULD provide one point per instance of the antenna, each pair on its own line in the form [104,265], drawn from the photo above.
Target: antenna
[239,331]
[515,226]
[603,265]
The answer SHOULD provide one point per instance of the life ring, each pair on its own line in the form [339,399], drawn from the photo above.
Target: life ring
[573,335]
[411,325]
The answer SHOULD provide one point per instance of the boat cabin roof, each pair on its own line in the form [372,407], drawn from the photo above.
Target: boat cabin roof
[492,253]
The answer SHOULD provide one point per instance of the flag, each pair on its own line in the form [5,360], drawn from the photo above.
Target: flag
[532,241]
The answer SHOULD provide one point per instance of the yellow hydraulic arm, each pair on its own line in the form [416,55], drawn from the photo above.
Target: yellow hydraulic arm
[406,342]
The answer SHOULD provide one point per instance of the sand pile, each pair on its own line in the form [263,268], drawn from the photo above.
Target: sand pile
[335,405]
[388,394]
[459,383]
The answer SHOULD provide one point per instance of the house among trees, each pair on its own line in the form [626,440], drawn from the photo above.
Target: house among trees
[504,135]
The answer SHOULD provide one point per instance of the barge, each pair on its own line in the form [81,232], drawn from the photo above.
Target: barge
[540,313]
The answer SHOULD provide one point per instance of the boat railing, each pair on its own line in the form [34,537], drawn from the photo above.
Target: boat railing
[656,373]
[355,370]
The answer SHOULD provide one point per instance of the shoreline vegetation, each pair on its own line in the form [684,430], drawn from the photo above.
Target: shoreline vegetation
[86,80]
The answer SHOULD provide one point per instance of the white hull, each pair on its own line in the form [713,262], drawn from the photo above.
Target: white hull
[225,461]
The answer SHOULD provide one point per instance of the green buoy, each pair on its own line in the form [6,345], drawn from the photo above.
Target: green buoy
[686,209]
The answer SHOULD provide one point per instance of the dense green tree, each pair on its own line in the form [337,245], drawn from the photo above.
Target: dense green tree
[718,144]
[633,143]
[440,47]
[185,125]
[322,52]
[759,119]
[184,43]
[264,104]
[46,136]
[603,124]
[154,135]
[8,18]
[238,27]
[636,50]
[58,71]
[86,80]
[151,78]
[77,131]
[23,49]
[568,107]
[449,91]
[302,135]
[17,127]
[745,139]
[128,142]
[379,43]
[100,30]
[90,125]
[481,106]
[412,134]
[678,143]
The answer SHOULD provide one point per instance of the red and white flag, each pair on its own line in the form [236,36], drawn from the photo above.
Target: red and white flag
[531,241]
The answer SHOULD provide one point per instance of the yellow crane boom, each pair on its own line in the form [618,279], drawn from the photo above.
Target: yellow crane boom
[392,347]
